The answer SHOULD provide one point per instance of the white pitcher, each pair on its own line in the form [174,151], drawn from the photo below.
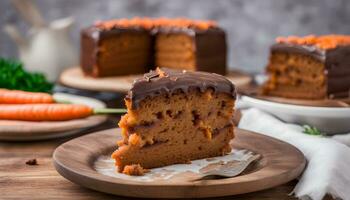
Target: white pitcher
[48,48]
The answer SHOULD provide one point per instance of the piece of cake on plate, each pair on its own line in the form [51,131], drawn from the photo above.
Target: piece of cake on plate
[311,67]
[175,116]
[130,46]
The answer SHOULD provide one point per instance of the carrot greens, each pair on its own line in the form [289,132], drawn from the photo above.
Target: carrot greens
[14,76]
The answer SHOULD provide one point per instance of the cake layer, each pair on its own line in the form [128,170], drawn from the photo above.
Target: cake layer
[179,152]
[176,129]
[296,69]
[296,65]
[299,92]
[174,51]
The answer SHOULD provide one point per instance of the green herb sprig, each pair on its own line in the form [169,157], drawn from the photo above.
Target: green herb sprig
[311,130]
[13,76]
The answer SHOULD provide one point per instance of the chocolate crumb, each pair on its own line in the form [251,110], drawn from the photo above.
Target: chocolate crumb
[150,76]
[32,162]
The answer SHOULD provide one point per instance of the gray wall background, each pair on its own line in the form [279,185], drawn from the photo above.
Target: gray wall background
[251,25]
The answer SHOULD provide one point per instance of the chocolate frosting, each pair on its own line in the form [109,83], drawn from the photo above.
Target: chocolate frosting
[312,51]
[336,61]
[97,33]
[167,81]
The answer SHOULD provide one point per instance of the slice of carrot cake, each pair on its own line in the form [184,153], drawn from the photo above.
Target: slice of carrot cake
[175,117]
[311,67]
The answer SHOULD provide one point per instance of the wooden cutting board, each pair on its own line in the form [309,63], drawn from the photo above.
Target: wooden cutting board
[74,77]
[280,163]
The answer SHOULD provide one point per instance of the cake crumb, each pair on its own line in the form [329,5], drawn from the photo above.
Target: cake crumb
[135,170]
[188,162]
[32,162]
[210,159]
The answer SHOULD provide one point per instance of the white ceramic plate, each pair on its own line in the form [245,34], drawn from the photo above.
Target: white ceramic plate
[327,119]
[12,130]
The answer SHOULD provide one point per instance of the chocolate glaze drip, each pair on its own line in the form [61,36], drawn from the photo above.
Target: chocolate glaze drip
[167,81]
[336,62]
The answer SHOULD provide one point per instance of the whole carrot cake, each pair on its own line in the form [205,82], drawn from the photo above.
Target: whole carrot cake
[174,117]
[130,46]
[311,67]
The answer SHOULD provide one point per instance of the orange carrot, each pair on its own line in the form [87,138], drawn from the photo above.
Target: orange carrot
[44,112]
[22,97]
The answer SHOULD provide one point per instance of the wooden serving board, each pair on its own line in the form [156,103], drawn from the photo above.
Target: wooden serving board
[280,164]
[74,77]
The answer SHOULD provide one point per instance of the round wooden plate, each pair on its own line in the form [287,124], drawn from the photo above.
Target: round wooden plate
[13,130]
[280,163]
[74,77]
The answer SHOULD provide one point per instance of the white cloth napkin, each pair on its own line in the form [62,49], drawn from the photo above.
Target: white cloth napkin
[328,168]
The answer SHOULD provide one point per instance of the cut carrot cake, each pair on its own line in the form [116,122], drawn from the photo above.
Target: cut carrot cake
[130,46]
[175,117]
[311,67]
